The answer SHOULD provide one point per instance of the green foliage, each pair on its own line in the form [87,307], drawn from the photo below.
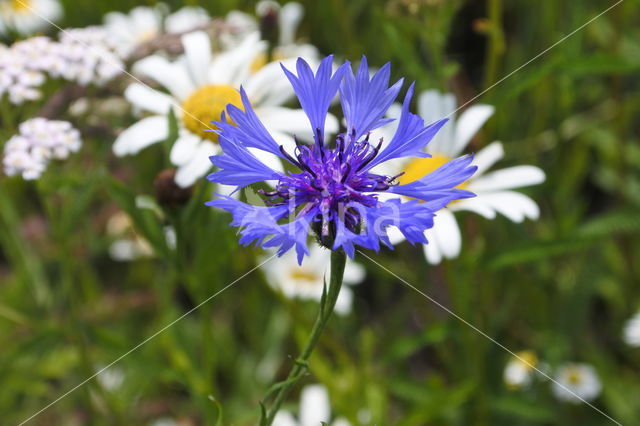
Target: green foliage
[561,286]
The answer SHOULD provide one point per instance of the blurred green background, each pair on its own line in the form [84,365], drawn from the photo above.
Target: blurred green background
[561,286]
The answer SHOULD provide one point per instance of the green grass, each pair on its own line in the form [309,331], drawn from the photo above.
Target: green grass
[561,286]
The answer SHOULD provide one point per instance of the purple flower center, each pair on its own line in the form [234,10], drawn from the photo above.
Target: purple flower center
[335,180]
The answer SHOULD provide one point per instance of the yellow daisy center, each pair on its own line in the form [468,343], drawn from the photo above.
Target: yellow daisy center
[420,167]
[261,60]
[574,377]
[206,104]
[20,5]
[303,276]
[528,359]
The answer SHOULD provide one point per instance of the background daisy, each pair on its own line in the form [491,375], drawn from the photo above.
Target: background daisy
[201,84]
[27,17]
[493,190]
[574,382]
[306,281]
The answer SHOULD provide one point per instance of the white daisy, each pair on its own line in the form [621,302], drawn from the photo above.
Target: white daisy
[130,30]
[185,19]
[574,382]
[493,189]
[201,84]
[315,408]
[28,16]
[519,370]
[143,23]
[306,281]
[631,334]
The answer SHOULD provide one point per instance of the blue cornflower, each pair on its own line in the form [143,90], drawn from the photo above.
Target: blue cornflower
[335,193]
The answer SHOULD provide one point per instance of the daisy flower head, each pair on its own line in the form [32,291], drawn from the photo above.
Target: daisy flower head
[306,281]
[494,190]
[519,370]
[334,192]
[200,85]
[576,382]
[631,332]
[27,17]
[315,409]
[144,23]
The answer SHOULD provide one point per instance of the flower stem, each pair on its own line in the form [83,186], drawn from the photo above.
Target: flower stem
[328,302]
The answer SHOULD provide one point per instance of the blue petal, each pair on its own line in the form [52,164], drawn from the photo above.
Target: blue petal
[438,187]
[259,225]
[315,92]
[247,127]
[365,102]
[238,166]
[411,136]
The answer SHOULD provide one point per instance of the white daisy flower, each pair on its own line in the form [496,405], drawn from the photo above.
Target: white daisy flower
[28,16]
[201,84]
[185,19]
[493,189]
[111,379]
[289,16]
[144,23]
[306,281]
[315,408]
[130,30]
[631,333]
[576,381]
[519,370]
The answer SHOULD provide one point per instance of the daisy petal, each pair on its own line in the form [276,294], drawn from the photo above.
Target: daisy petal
[468,124]
[447,233]
[487,157]
[184,148]
[509,178]
[197,50]
[142,134]
[173,76]
[148,99]
[513,205]
[198,166]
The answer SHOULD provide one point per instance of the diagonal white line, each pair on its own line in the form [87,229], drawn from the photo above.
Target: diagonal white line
[482,333]
[562,40]
[139,345]
[108,60]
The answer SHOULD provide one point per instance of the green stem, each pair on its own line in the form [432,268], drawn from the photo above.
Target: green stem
[496,43]
[328,302]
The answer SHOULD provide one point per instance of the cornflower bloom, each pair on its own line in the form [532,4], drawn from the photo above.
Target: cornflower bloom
[334,192]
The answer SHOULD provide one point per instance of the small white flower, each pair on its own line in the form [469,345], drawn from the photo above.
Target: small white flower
[574,382]
[201,84]
[127,244]
[111,378]
[493,189]
[86,56]
[631,333]
[519,370]
[39,140]
[28,16]
[315,408]
[306,281]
